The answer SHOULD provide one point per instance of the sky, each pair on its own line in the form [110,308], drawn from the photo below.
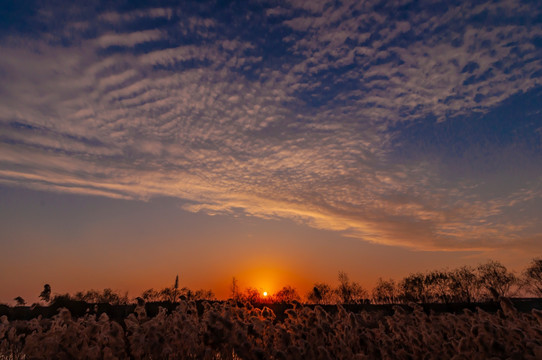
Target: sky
[275,141]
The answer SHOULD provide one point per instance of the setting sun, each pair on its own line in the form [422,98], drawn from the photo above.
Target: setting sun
[265,293]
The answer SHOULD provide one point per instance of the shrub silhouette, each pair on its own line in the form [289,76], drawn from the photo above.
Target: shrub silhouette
[45,295]
[20,301]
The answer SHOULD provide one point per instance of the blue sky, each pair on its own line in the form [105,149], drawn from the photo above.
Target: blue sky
[413,125]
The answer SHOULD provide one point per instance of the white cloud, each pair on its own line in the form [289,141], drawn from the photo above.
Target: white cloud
[128,39]
[151,13]
[137,125]
[429,69]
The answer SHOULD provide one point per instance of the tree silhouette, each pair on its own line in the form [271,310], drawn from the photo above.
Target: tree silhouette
[344,291]
[45,295]
[202,294]
[166,294]
[437,286]
[20,301]
[533,277]
[413,288]
[150,295]
[494,275]
[385,292]
[464,284]
[106,296]
[350,292]
[252,295]
[234,289]
[321,293]
[175,287]
[287,294]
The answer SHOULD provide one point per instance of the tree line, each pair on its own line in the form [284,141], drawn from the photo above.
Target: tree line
[465,284]
[109,296]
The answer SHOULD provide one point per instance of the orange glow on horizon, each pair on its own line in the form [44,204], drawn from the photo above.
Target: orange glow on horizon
[271,277]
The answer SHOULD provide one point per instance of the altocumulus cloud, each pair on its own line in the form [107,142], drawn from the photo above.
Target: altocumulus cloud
[355,116]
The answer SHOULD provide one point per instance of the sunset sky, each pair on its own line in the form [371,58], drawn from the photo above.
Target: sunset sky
[275,141]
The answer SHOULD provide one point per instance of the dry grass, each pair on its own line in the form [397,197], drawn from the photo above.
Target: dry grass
[228,331]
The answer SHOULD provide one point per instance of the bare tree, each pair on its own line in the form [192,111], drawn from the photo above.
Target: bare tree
[108,296]
[287,294]
[385,292]
[344,291]
[150,295]
[437,286]
[170,293]
[533,277]
[350,292]
[413,288]
[89,296]
[166,294]
[251,295]
[321,293]
[496,278]
[464,284]
[204,295]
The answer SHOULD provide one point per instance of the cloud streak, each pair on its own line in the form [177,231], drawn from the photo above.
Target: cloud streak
[318,127]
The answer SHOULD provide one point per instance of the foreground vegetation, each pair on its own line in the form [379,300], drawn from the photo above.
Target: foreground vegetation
[232,330]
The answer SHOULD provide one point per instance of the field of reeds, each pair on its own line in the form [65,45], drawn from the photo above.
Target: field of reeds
[232,330]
